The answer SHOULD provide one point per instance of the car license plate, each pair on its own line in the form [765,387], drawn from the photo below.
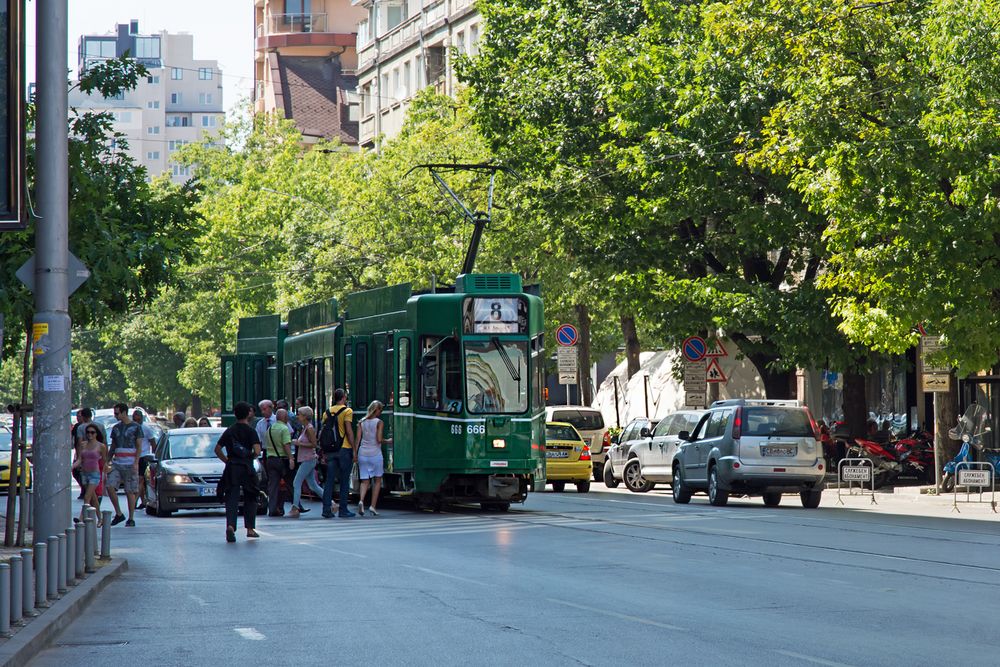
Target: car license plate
[774,450]
[556,454]
[207,491]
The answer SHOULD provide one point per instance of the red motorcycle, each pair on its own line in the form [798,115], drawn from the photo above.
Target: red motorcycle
[916,454]
[885,464]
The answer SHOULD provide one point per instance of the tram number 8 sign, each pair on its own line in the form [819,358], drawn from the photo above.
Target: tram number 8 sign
[856,473]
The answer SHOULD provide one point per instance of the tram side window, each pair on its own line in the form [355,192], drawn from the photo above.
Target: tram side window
[361,374]
[381,392]
[228,399]
[440,375]
[404,372]
[289,384]
[330,384]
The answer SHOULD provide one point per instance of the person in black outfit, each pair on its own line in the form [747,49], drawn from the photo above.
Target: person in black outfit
[238,448]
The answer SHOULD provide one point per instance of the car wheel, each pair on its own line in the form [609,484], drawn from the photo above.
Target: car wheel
[150,510]
[772,499]
[716,494]
[598,474]
[583,487]
[682,494]
[810,499]
[163,513]
[633,478]
[609,476]
[558,487]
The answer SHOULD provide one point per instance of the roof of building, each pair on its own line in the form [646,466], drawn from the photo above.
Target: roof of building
[313,91]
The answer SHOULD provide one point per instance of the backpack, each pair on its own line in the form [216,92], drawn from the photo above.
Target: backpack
[330,438]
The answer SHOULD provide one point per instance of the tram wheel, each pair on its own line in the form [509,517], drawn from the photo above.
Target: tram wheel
[495,506]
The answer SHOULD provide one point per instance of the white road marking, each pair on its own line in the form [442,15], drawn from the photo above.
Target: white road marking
[445,574]
[250,633]
[200,601]
[624,617]
[809,658]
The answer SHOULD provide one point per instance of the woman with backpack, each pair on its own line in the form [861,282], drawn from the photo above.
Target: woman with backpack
[306,455]
[370,456]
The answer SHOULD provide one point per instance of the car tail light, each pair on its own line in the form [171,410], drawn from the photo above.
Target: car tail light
[585,455]
[738,424]
[606,440]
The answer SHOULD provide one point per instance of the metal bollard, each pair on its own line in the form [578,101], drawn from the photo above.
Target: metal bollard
[91,514]
[62,563]
[16,594]
[90,537]
[80,529]
[52,578]
[41,575]
[4,599]
[28,582]
[106,535]
[71,557]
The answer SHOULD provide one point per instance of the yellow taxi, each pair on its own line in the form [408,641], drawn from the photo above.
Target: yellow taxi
[5,447]
[567,457]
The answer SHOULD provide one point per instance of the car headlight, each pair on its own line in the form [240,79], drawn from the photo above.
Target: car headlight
[180,479]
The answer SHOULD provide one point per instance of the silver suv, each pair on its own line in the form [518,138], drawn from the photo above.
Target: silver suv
[751,447]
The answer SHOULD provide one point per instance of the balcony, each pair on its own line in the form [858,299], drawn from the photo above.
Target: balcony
[289,30]
[403,34]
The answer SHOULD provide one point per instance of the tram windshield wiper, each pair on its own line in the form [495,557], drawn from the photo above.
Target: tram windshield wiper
[515,374]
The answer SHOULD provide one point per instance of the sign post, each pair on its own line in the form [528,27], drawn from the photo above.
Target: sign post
[567,358]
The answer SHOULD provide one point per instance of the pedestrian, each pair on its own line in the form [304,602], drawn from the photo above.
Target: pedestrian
[300,402]
[307,460]
[84,416]
[123,469]
[190,422]
[277,458]
[146,455]
[91,458]
[339,463]
[266,408]
[179,418]
[238,448]
[204,423]
[370,463]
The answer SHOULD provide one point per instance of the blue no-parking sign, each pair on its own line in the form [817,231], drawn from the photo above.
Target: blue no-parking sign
[694,348]
[567,335]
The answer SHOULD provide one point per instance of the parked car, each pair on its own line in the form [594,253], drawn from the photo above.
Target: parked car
[186,472]
[589,423]
[751,447]
[636,431]
[567,457]
[647,461]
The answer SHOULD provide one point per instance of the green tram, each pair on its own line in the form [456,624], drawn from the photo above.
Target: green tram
[459,371]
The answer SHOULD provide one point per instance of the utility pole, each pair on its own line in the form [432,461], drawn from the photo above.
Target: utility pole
[51,324]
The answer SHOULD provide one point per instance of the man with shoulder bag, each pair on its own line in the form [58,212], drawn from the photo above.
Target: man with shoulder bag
[277,461]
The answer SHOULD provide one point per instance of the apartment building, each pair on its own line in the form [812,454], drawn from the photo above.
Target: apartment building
[404,46]
[305,65]
[180,101]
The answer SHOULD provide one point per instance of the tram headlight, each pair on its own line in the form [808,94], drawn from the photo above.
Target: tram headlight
[499,443]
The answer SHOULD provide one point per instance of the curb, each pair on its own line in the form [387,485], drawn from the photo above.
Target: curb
[36,636]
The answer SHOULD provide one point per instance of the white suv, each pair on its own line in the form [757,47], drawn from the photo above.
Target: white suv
[590,424]
[751,447]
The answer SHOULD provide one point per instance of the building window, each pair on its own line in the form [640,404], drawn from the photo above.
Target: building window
[460,42]
[153,104]
[176,73]
[153,155]
[176,98]
[395,14]
[298,7]
[204,98]
[406,79]
[153,129]
[383,89]
[175,144]
[122,116]
[178,120]
[473,38]
[397,86]
[208,121]
[178,170]
[119,96]
[154,79]
[147,48]
[205,73]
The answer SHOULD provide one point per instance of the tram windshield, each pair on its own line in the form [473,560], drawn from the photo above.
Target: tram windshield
[496,376]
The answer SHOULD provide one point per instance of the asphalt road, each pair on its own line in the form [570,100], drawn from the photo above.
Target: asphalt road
[603,578]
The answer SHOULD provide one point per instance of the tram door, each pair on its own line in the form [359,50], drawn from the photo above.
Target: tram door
[357,373]
[402,430]
[244,378]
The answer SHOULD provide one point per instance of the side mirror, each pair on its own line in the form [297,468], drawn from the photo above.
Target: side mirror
[685,436]
[614,440]
[645,433]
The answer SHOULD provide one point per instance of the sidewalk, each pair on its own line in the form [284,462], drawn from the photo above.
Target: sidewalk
[916,501]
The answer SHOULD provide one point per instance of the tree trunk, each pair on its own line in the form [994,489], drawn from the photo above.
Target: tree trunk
[583,323]
[945,417]
[631,345]
[778,385]
[855,404]
[180,407]
[195,406]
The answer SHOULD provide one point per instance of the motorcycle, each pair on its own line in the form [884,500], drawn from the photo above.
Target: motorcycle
[971,429]
[885,464]
[916,454]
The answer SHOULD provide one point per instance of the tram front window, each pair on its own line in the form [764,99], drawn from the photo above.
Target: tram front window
[496,376]
[440,374]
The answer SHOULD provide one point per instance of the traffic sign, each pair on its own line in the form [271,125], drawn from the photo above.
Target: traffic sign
[567,360]
[567,378]
[714,372]
[695,399]
[76,274]
[936,383]
[694,376]
[930,345]
[694,348]
[717,350]
[567,335]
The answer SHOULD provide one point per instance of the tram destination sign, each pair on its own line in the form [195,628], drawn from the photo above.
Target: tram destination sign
[495,315]
[856,473]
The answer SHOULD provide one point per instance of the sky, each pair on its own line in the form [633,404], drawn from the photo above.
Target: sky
[223,30]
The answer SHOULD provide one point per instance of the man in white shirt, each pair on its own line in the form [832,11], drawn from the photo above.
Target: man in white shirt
[146,454]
